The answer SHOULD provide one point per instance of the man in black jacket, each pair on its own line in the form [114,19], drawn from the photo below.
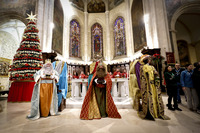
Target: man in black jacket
[171,84]
[196,81]
[177,71]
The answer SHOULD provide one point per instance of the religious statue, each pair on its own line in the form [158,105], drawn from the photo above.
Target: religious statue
[152,103]
[75,47]
[44,100]
[134,84]
[98,101]
[62,85]
[96,44]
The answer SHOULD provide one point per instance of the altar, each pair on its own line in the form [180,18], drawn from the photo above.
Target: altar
[120,87]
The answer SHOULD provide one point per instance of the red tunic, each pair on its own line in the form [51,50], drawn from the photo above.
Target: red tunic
[82,76]
[124,75]
[115,75]
[75,77]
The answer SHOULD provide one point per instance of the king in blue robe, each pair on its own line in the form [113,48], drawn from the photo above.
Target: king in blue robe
[61,68]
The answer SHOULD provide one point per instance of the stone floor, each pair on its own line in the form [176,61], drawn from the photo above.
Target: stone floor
[13,120]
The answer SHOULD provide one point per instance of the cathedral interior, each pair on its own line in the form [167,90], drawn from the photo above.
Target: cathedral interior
[117,32]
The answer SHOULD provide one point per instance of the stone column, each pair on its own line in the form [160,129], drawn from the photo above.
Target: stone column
[76,89]
[86,38]
[156,25]
[73,89]
[86,51]
[114,88]
[84,89]
[65,37]
[129,31]
[122,88]
[44,23]
[175,47]
[40,19]
[108,43]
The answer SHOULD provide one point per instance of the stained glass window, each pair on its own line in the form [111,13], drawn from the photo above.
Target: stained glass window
[74,47]
[119,37]
[97,41]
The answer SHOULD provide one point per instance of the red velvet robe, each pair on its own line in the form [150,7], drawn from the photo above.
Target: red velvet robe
[90,108]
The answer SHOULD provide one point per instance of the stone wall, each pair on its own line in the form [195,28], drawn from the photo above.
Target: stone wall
[17,9]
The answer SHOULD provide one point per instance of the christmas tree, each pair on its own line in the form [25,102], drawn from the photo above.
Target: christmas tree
[28,58]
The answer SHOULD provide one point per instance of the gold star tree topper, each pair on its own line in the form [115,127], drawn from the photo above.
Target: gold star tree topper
[31,17]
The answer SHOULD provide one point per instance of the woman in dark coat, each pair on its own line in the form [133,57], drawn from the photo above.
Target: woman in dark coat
[171,84]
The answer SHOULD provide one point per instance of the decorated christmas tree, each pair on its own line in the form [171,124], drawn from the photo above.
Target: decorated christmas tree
[28,58]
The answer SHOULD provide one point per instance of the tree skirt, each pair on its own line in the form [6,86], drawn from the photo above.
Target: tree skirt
[20,91]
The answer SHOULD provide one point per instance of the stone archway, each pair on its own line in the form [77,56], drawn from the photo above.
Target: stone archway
[183,28]
[5,16]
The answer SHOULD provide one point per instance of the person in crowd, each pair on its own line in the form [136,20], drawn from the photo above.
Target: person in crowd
[171,85]
[111,75]
[124,74]
[196,81]
[188,88]
[117,73]
[177,71]
[98,102]
[75,75]
[152,104]
[44,101]
[86,76]
[82,75]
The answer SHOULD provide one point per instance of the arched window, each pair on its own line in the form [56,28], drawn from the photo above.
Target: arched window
[74,47]
[97,41]
[119,37]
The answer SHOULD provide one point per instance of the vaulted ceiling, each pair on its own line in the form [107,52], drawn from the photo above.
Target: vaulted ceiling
[95,6]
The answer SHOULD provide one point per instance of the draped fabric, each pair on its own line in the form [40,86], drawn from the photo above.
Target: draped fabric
[151,94]
[90,108]
[89,79]
[46,93]
[35,100]
[134,91]
[21,91]
[137,70]
[61,68]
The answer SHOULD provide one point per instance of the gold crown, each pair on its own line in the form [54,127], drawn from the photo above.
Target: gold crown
[47,61]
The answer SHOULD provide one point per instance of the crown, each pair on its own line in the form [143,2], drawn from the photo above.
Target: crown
[47,61]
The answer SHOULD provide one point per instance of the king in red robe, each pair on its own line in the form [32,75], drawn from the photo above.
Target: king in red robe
[98,101]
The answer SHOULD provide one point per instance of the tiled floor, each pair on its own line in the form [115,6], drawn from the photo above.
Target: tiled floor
[13,119]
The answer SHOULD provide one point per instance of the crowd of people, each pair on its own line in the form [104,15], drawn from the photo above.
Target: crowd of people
[187,80]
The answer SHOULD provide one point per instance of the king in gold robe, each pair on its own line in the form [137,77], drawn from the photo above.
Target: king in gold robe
[152,103]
